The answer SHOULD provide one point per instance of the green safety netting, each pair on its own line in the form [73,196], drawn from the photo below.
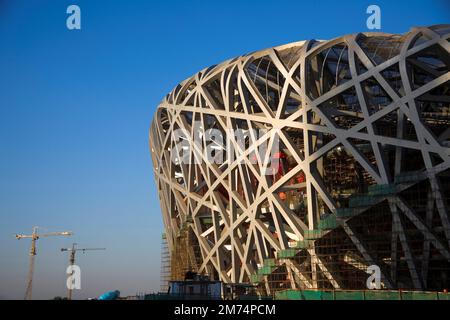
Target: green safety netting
[359,295]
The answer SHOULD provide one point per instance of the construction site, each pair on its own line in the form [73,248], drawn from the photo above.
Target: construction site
[360,176]
[72,268]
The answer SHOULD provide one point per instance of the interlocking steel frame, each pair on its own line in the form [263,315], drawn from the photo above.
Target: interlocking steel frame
[255,91]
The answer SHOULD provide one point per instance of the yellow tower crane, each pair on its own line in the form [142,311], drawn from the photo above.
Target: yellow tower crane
[35,236]
[72,251]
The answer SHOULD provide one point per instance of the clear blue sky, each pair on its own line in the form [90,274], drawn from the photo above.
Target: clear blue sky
[75,108]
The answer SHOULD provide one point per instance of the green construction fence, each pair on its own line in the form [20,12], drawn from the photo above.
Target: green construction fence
[359,295]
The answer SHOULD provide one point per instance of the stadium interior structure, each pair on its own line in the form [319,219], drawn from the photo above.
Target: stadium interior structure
[362,175]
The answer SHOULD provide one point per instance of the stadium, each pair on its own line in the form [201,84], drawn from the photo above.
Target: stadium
[343,163]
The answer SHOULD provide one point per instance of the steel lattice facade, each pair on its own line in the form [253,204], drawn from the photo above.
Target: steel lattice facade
[362,178]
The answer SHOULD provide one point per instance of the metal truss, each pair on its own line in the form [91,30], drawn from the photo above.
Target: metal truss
[351,114]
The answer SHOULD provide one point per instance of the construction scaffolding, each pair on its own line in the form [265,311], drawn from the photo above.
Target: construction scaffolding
[384,227]
[185,256]
[165,265]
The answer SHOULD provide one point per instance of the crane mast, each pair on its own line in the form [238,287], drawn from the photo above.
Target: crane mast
[72,251]
[34,237]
